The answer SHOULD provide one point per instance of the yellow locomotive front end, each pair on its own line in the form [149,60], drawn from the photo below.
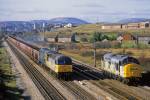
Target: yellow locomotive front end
[59,64]
[63,68]
[132,71]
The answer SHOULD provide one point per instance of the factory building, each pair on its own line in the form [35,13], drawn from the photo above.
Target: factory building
[66,37]
[140,25]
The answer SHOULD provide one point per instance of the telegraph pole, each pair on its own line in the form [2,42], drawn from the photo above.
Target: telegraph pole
[43,27]
[94,52]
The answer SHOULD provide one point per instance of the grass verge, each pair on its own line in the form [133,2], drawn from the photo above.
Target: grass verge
[8,88]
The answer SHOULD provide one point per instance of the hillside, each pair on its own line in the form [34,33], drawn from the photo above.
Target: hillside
[65,20]
[133,20]
[27,26]
[91,28]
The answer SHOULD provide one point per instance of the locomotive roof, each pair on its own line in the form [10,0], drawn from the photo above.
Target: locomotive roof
[60,56]
[54,53]
[48,51]
[116,58]
[108,56]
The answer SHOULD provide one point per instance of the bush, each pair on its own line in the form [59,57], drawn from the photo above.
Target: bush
[132,44]
[86,53]
[112,37]
[128,44]
[83,39]
[142,45]
[97,36]
[108,44]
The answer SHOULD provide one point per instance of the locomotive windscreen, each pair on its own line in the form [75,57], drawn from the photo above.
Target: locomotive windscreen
[63,60]
[133,60]
[130,60]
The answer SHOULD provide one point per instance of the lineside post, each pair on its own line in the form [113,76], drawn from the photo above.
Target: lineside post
[94,52]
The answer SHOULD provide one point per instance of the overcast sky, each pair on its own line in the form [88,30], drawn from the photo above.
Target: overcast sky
[90,10]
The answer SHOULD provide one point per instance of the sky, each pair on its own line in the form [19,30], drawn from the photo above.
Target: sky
[89,10]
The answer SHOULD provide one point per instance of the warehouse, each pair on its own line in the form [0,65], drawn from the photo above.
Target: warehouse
[66,37]
[140,25]
[132,26]
[112,26]
[52,38]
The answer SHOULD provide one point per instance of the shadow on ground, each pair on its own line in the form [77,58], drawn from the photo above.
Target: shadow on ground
[7,92]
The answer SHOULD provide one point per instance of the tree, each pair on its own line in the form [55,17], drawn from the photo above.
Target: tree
[105,37]
[97,36]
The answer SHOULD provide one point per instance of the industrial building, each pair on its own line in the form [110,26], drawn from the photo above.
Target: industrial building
[61,38]
[140,25]
[52,38]
[66,37]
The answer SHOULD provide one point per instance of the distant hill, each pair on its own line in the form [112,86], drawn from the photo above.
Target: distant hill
[62,20]
[133,20]
[65,20]
[28,25]
[16,25]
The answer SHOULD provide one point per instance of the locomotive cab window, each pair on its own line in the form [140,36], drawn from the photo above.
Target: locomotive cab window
[133,60]
[125,61]
[48,56]
[130,60]
[63,61]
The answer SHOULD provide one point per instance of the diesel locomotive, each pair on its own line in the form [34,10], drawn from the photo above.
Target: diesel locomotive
[122,67]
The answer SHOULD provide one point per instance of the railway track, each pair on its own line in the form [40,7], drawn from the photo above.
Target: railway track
[48,91]
[51,93]
[94,74]
[80,93]
[76,90]
[145,88]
